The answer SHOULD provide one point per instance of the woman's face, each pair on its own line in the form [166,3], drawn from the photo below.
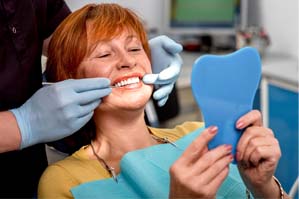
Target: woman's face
[124,61]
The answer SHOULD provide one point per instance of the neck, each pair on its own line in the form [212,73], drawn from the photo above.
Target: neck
[119,133]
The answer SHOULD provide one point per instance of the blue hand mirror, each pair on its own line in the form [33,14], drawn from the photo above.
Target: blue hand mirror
[224,87]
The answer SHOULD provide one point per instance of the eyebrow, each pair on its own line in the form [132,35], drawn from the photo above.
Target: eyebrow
[131,37]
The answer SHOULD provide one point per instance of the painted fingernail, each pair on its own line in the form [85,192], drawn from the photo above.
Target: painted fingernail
[228,147]
[213,129]
[240,125]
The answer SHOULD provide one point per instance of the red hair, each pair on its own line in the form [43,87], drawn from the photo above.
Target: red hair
[68,45]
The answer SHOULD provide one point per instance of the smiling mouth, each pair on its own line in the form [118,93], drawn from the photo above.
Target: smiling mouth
[126,82]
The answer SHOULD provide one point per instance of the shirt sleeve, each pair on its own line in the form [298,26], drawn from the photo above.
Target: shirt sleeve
[57,11]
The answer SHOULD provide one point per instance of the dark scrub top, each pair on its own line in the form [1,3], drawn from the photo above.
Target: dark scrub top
[24,24]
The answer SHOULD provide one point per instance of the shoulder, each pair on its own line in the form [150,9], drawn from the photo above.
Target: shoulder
[57,179]
[60,177]
[189,126]
[178,131]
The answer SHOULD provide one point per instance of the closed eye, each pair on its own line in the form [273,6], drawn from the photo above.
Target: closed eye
[134,49]
[104,55]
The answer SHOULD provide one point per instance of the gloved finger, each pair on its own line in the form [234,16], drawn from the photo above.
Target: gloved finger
[150,78]
[87,108]
[171,46]
[172,72]
[163,101]
[163,92]
[167,76]
[81,85]
[83,120]
[92,95]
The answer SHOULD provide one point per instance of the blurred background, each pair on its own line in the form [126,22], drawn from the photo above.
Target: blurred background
[221,27]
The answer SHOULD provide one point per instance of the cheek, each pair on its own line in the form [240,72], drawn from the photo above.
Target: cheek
[148,66]
[150,69]
[91,71]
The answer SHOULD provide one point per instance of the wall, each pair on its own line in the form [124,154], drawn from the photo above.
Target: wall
[280,19]
[149,10]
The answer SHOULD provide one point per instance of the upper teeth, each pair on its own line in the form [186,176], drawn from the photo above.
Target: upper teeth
[131,80]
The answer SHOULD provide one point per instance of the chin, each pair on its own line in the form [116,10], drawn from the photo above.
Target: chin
[132,101]
[137,101]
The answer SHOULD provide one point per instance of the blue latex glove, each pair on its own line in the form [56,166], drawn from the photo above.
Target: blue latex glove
[166,65]
[59,110]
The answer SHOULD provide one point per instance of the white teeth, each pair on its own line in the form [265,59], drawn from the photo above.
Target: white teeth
[131,80]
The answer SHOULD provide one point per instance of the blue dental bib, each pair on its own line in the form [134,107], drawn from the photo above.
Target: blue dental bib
[145,174]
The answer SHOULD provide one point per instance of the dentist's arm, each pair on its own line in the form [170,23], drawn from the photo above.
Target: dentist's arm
[52,113]
[10,137]
[166,65]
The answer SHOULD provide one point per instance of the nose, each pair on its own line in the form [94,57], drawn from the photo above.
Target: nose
[126,60]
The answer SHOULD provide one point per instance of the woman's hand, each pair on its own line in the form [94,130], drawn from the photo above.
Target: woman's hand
[199,172]
[257,154]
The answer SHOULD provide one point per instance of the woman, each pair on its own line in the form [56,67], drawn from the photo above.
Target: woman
[109,41]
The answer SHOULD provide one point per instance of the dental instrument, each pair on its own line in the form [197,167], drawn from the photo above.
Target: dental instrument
[50,83]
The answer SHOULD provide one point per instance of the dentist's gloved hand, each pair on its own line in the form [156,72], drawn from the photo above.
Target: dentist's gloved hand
[59,110]
[166,65]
